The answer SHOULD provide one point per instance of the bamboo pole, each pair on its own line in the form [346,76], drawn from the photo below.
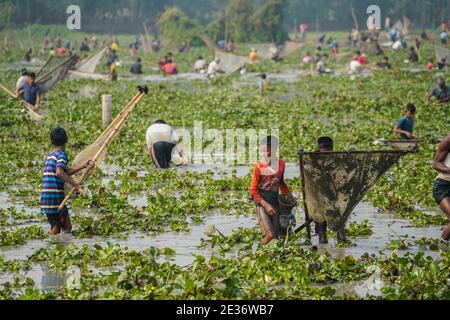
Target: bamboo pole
[45,64]
[127,111]
[308,221]
[355,19]
[54,69]
[29,108]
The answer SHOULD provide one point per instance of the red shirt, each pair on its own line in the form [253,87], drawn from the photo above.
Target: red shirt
[170,68]
[265,179]
[60,51]
[161,64]
[362,59]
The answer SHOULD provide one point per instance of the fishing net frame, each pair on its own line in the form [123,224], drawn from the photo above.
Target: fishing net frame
[339,223]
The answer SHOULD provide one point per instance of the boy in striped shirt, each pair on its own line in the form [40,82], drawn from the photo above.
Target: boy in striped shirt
[56,174]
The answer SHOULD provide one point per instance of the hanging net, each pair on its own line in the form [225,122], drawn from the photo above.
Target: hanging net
[291,47]
[98,150]
[230,63]
[442,53]
[336,182]
[264,50]
[50,79]
[209,43]
[50,64]
[89,64]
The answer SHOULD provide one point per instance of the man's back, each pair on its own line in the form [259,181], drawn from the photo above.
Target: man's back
[160,133]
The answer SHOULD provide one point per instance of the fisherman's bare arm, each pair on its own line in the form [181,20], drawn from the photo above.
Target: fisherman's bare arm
[77,169]
[441,156]
[60,173]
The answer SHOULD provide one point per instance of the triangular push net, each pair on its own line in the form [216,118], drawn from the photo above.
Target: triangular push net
[230,63]
[264,50]
[49,80]
[442,53]
[209,43]
[291,47]
[97,151]
[50,64]
[336,182]
[89,64]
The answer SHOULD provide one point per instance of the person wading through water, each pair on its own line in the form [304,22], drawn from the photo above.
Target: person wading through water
[267,183]
[405,126]
[161,140]
[30,90]
[441,186]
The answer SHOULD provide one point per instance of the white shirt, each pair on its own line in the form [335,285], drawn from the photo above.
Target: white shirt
[160,133]
[200,65]
[355,66]
[21,81]
[213,68]
[397,45]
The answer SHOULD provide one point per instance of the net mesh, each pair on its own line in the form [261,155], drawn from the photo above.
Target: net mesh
[88,65]
[336,182]
[50,64]
[442,53]
[230,63]
[49,80]
[264,50]
[291,47]
[89,152]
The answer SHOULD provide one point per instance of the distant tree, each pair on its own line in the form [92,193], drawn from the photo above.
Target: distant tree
[268,22]
[175,25]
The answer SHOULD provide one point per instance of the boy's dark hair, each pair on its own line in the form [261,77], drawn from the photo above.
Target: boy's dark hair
[139,60]
[325,143]
[200,58]
[58,137]
[32,75]
[358,53]
[411,108]
[24,72]
[386,58]
[270,141]
[264,76]
[160,121]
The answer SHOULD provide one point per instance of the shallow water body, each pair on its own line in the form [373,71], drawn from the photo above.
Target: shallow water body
[386,227]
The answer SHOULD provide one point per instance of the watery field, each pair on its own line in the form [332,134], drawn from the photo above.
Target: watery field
[191,232]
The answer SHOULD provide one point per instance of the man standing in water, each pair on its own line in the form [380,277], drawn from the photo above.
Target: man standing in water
[441,186]
[31,92]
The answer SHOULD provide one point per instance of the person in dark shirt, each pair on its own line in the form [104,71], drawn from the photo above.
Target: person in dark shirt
[27,57]
[413,56]
[442,64]
[441,92]
[136,68]
[384,64]
[405,127]
[30,90]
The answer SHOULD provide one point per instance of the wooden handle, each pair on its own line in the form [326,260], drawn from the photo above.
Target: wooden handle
[127,111]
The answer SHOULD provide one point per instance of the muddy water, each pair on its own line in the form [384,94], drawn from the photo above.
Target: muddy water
[386,227]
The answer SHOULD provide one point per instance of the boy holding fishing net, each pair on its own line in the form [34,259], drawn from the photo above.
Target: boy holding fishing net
[56,174]
[266,186]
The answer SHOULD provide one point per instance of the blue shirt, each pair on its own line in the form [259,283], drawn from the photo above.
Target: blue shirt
[52,193]
[405,124]
[30,93]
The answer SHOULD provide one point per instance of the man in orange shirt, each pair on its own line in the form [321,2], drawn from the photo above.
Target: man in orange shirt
[267,183]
